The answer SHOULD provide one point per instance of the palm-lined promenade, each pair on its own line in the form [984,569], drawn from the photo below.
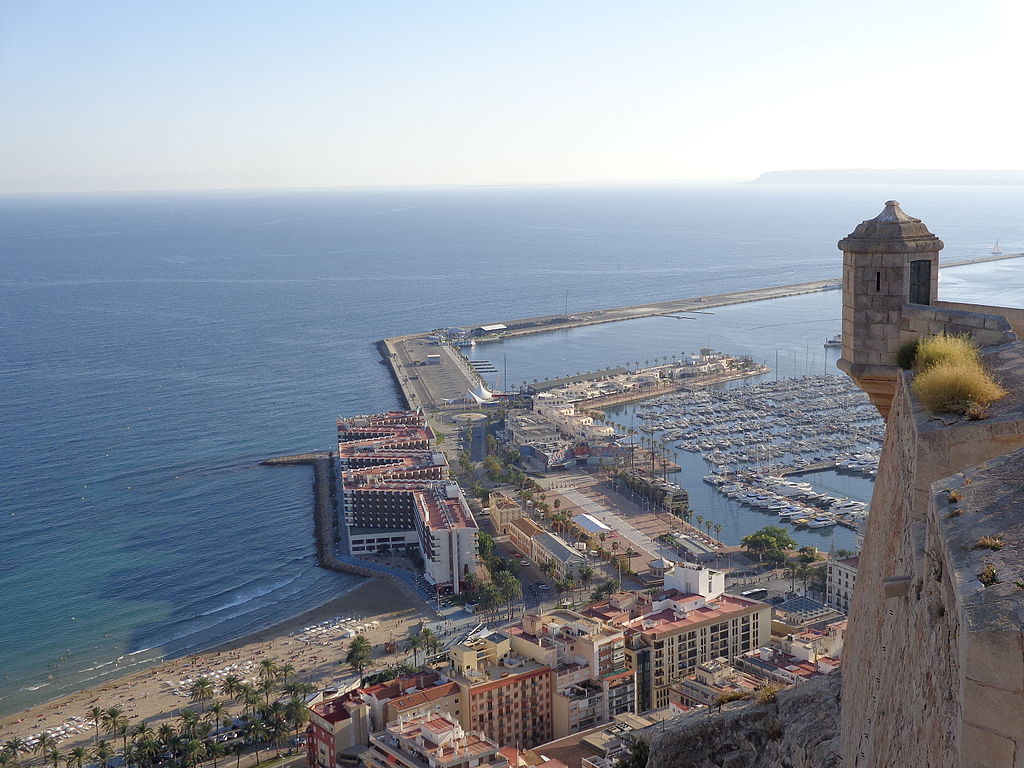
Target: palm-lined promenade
[248,694]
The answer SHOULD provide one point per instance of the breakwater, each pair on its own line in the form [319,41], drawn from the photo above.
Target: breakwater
[327,531]
[431,386]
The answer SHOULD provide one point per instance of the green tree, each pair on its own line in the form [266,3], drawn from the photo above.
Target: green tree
[510,589]
[96,716]
[200,690]
[485,546]
[586,574]
[414,643]
[297,713]
[78,756]
[256,731]
[639,753]
[102,753]
[231,686]
[359,653]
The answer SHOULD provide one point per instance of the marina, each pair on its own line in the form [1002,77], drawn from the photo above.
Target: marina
[757,438]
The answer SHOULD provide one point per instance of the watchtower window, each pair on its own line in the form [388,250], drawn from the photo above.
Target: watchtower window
[878,282]
[920,282]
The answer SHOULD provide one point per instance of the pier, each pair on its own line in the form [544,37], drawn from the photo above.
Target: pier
[429,386]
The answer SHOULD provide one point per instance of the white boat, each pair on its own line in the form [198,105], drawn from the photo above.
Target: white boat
[995,249]
[821,522]
[835,341]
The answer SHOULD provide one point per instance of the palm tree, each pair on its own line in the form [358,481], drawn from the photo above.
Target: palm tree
[189,720]
[548,567]
[15,746]
[96,715]
[265,687]
[285,671]
[54,755]
[586,574]
[102,753]
[510,589]
[718,531]
[113,719]
[359,653]
[231,685]
[200,690]
[297,713]
[268,669]
[256,731]
[45,744]
[215,750]
[250,698]
[431,642]
[77,756]
[217,714]
[414,643]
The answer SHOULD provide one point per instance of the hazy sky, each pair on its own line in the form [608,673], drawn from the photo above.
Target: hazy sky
[142,94]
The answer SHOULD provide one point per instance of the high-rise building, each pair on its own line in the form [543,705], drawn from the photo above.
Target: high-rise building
[396,494]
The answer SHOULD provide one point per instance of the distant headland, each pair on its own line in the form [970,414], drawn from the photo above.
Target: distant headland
[891,176]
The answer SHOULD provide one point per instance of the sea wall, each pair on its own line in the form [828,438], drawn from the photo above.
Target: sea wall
[914,652]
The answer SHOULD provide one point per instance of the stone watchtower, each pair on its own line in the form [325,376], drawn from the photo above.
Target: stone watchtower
[889,262]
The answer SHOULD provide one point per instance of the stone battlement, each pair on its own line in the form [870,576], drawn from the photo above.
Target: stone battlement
[934,655]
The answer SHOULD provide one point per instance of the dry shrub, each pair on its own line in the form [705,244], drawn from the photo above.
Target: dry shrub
[945,349]
[988,576]
[953,386]
[995,543]
[765,694]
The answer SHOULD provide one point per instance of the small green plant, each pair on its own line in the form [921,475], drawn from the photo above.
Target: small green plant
[954,512]
[1019,584]
[995,543]
[955,496]
[907,353]
[988,576]
[967,481]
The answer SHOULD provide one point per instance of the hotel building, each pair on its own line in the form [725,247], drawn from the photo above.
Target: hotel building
[396,494]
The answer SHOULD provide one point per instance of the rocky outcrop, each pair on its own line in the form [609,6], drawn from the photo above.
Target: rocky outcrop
[797,730]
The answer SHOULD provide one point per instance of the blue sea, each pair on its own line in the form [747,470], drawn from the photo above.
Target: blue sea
[156,347]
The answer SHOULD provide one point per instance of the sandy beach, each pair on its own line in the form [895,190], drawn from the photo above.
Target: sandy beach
[157,693]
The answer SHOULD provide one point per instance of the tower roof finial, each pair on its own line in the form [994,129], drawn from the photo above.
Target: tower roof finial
[891,231]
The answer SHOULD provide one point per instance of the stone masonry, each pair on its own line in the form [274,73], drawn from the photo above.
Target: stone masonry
[934,663]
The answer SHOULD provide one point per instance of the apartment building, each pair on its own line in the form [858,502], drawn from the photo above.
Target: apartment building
[692,622]
[338,729]
[506,695]
[592,680]
[840,579]
[432,741]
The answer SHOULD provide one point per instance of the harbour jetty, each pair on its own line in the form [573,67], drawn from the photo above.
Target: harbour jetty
[428,374]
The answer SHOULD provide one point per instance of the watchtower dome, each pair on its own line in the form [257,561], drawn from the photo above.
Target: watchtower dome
[889,262]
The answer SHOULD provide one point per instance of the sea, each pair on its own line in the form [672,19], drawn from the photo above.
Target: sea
[155,347]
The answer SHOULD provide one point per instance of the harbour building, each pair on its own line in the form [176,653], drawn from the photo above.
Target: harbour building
[396,494]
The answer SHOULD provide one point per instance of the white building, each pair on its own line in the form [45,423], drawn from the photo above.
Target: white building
[840,579]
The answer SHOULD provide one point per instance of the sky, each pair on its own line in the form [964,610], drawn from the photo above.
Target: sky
[222,95]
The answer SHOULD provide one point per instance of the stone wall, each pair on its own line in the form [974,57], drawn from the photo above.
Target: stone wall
[1013,314]
[984,326]
[914,665]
